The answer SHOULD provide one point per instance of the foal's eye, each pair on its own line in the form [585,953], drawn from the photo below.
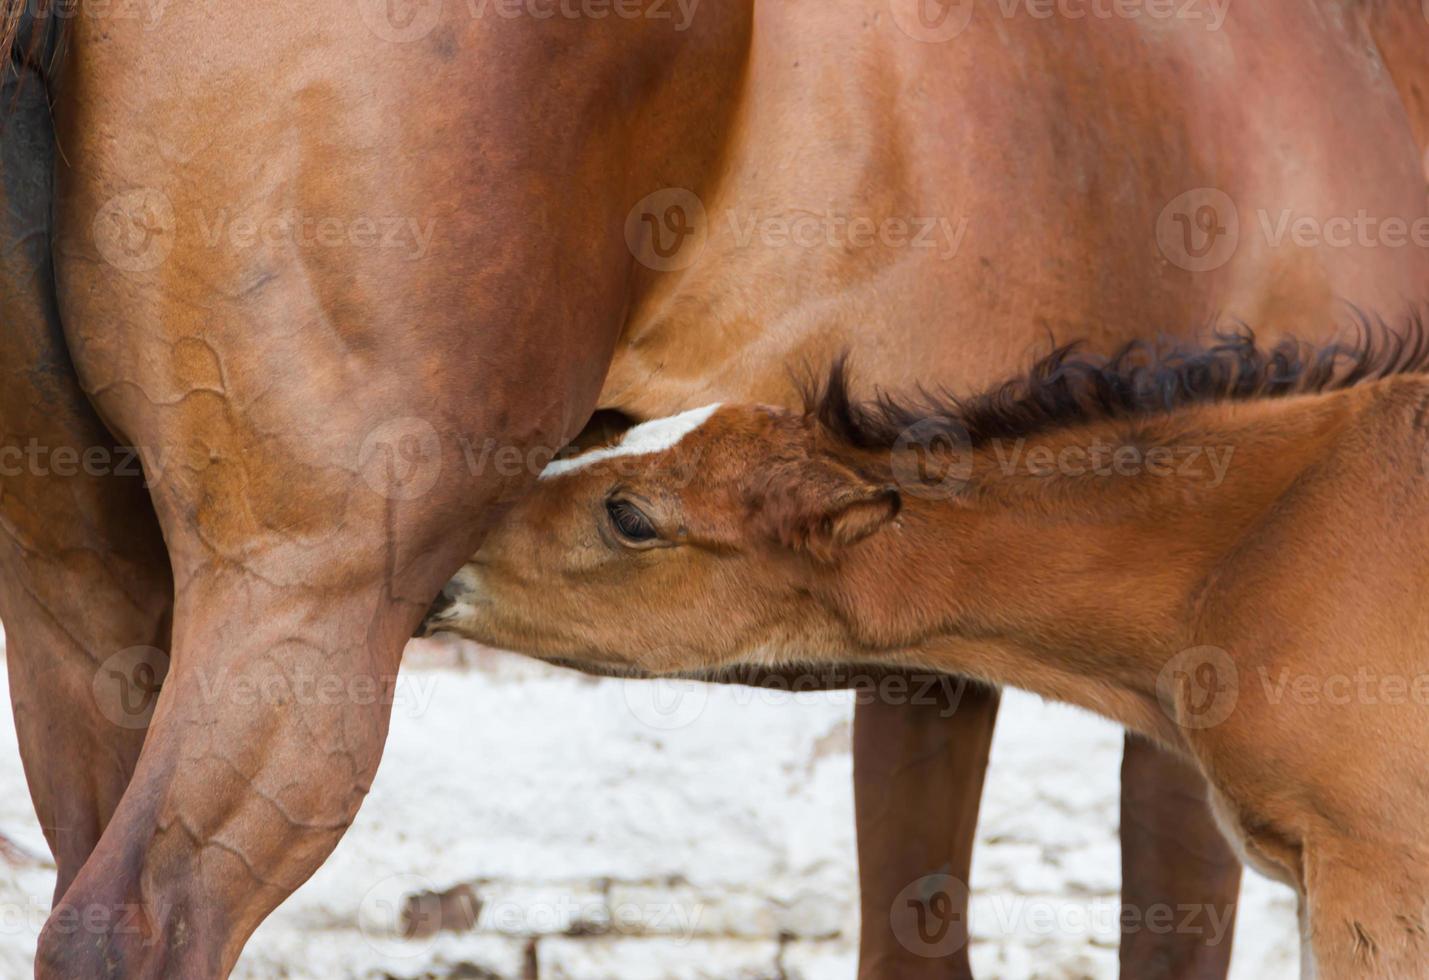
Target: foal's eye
[629,521]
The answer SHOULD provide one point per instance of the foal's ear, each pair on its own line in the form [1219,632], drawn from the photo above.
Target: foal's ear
[819,507]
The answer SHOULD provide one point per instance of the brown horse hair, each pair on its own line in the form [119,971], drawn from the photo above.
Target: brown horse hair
[1068,387]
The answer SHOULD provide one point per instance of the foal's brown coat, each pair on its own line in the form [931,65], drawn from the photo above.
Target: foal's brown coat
[1240,577]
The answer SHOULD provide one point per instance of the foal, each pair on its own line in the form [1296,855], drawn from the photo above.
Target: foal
[1221,548]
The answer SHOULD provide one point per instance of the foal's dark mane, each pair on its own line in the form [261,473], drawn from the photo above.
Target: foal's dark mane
[39,48]
[1142,378]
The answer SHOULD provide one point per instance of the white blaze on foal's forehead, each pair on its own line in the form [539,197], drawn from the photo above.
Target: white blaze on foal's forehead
[654,436]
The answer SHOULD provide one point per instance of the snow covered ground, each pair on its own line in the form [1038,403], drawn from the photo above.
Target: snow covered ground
[616,830]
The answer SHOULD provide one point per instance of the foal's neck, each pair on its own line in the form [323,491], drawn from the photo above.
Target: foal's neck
[1071,562]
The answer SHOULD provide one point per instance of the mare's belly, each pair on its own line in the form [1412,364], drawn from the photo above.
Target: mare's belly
[938,209]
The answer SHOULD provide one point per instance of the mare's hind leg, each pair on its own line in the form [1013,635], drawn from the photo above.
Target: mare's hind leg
[83,572]
[917,824]
[918,775]
[290,618]
[325,410]
[1180,878]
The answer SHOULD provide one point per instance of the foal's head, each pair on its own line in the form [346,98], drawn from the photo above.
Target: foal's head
[697,541]
[749,534]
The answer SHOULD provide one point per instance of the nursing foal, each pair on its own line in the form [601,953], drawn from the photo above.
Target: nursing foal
[1221,548]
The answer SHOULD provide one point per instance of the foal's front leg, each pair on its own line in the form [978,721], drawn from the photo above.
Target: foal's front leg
[1365,912]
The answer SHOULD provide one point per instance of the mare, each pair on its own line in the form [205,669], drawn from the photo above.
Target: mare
[299,260]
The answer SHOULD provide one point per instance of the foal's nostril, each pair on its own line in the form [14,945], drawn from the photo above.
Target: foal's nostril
[444,601]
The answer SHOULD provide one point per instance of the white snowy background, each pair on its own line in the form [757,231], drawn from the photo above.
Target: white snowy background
[617,830]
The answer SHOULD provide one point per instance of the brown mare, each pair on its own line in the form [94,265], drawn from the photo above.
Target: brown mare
[295,252]
[1204,546]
